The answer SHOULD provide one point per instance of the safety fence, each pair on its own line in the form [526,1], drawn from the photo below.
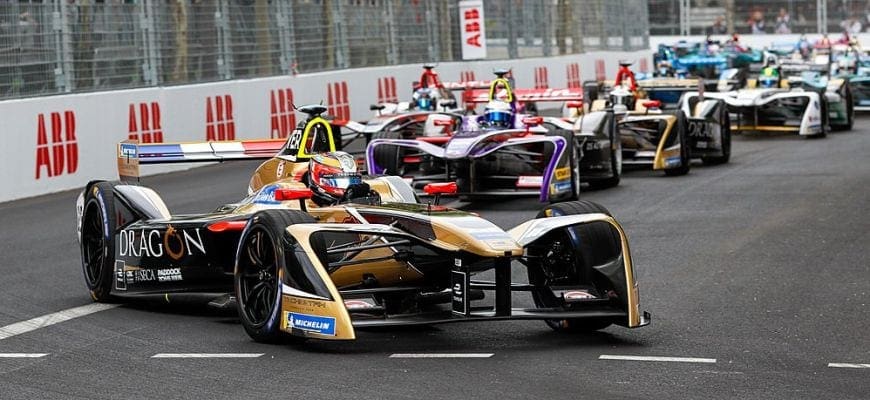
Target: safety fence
[63,46]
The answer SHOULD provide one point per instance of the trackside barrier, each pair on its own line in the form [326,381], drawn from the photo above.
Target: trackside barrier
[57,143]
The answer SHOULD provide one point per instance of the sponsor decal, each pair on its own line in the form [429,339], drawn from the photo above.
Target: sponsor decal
[311,323]
[473,33]
[387,90]
[305,302]
[120,277]
[153,275]
[219,123]
[457,262]
[466,76]
[61,154]
[560,187]
[530,181]
[459,292]
[672,161]
[144,123]
[359,304]
[266,196]
[562,173]
[281,113]
[337,101]
[541,78]
[700,130]
[573,71]
[154,243]
[643,65]
[279,171]
[128,150]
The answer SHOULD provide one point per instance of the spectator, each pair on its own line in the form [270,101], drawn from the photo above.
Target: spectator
[756,22]
[783,22]
[718,27]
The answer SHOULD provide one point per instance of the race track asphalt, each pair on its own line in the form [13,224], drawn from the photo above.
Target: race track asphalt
[762,264]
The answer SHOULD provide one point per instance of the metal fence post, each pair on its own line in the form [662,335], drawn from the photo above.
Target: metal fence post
[548,26]
[286,37]
[225,52]
[341,47]
[822,16]
[62,47]
[512,23]
[685,20]
[151,61]
[392,34]
[432,32]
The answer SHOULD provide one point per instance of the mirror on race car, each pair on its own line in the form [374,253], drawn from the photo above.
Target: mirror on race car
[443,122]
[652,104]
[285,194]
[440,188]
[533,121]
[574,104]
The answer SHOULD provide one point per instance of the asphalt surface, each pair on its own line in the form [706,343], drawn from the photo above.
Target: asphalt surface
[762,264]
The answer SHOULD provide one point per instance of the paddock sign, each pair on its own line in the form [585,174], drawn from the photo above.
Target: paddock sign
[473,31]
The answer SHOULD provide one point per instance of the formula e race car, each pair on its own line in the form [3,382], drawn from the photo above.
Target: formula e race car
[500,153]
[374,257]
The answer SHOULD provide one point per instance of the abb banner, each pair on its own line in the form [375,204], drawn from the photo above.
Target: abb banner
[57,143]
[473,32]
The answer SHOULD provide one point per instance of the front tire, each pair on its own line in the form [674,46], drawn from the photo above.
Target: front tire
[725,122]
[98,240]
[260,263]
[615,165]
[599,243]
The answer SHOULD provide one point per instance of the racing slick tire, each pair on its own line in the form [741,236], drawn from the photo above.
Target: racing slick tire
[573,164]
[600,243]
[98,240]
[615,165]
[257,277]
[725,122]
[390,158]
[685,152]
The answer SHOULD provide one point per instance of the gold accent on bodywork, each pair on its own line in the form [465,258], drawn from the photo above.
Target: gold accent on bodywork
[765,128]
[267,172]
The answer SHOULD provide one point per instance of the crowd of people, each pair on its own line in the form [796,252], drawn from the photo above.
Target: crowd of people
[758,22]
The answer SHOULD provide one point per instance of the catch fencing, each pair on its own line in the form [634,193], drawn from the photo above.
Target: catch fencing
[699,17]
[63,46]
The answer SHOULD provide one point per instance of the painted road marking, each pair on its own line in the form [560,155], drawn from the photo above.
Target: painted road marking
[51,319]
[442,355]
[207,355]
[664,359]
[22,355]
[846,365]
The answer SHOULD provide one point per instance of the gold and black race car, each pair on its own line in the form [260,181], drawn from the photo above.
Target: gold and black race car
[311,270]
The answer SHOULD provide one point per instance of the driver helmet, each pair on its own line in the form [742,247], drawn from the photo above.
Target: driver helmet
[498,114]
[423,99]
[769,78]
[330,174]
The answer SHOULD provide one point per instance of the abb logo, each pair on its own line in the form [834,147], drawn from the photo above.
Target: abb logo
[472,27]
[62,151]
[219,124]
[542,81]
[643,65]
[466,76]
[281,115]
[387,90]
[573,71]
[145,127]
[337,100]
[600,72]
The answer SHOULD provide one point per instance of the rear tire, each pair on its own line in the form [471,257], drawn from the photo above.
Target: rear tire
[600,243]
[685,152]
[98,240]
[390,158]
[615,165]
[850,111]
[260,264]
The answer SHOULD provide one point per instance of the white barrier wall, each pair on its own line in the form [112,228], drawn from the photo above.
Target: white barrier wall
[57,143]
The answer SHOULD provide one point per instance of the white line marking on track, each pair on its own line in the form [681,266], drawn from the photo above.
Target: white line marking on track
[51,319]
[22,355]
[663,359]
[847,365]
[207,355]
[442,355]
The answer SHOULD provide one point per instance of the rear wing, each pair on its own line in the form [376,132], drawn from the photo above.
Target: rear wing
[132,154]
[530,95]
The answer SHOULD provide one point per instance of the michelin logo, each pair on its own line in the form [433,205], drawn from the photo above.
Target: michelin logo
[311,323]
